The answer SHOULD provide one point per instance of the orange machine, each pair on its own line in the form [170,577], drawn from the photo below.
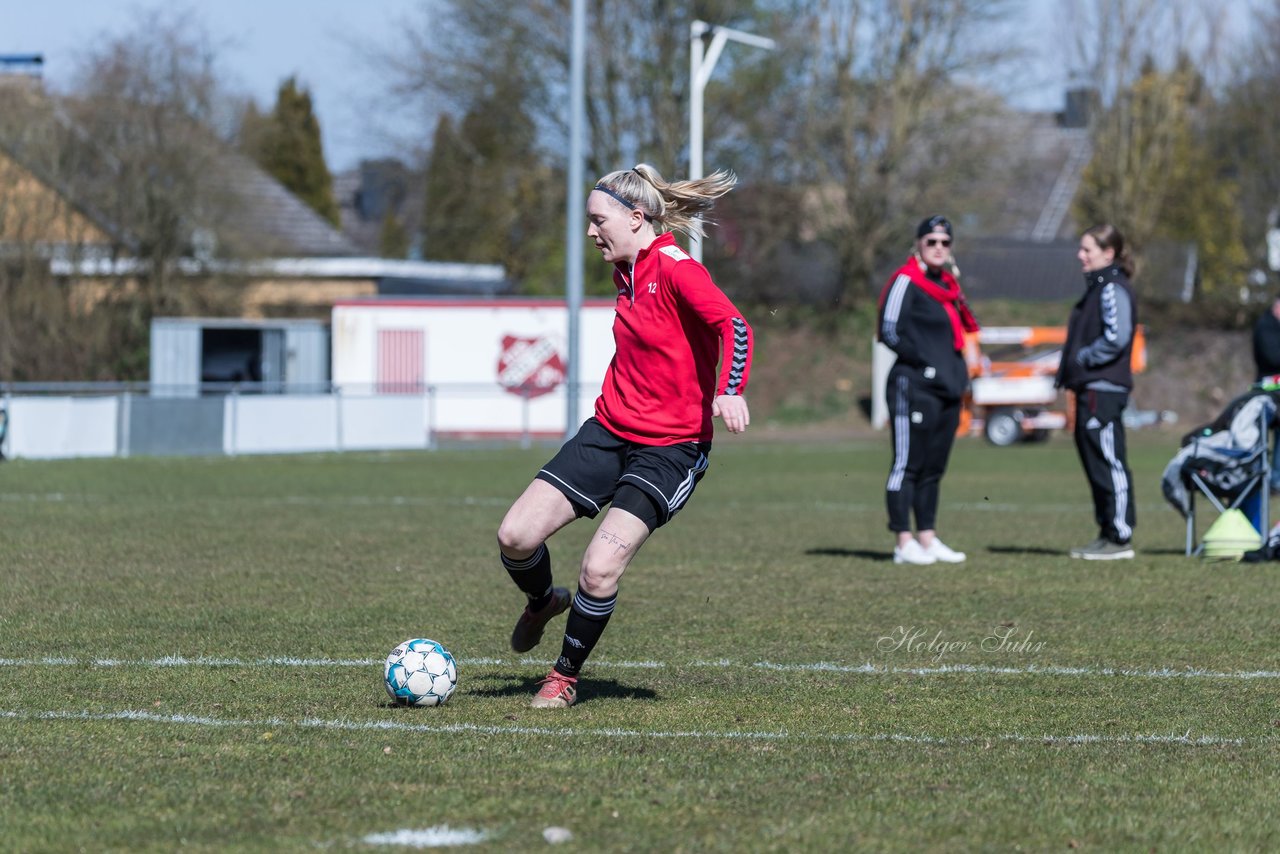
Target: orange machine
[1012,398]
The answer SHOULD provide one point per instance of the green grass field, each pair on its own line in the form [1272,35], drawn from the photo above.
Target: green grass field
[190,657]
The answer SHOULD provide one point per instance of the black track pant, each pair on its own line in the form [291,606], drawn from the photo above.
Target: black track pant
[1099,438]
[924,429]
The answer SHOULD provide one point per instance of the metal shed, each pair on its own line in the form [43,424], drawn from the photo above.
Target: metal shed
[270,356]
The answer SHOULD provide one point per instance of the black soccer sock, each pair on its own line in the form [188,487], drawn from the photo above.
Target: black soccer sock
[533,576]
[587,619]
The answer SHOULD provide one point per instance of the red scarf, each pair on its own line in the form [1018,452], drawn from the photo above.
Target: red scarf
[948,293]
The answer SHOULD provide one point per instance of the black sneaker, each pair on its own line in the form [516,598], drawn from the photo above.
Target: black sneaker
[1261,555]
[528,631]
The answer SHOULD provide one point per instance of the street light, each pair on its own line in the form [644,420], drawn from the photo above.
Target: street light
[702,61]
[574,214]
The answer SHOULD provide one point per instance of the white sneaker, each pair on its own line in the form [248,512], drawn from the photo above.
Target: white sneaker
[943,552]
[912,552]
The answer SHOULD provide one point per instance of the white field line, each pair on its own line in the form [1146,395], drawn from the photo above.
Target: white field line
[299,500]
[392,501]
[43,498]
[867,669]
[1185,739]
[440,836]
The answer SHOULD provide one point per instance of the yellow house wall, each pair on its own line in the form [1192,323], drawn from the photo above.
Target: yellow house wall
[260,296]
[237,297]
[32,212]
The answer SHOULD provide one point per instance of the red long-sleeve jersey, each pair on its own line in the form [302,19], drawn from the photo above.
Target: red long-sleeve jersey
[672,328]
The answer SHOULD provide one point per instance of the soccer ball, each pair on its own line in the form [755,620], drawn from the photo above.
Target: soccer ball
[420,672]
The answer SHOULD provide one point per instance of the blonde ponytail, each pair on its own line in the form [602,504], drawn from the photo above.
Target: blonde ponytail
[669,205]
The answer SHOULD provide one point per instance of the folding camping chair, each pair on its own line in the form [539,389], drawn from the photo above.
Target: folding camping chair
[1229,473]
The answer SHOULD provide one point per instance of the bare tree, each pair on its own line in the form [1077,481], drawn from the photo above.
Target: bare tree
[148,105]
[1247,126]
[497,156]
[1153,172]
[859,122]
[873,121]
[454,56]
[126,167]
[1115,42]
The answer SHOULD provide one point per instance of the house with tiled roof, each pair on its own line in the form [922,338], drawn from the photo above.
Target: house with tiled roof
[249,244]
[1024,247]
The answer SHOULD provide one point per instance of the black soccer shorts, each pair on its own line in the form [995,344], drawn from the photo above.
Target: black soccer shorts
[595,466]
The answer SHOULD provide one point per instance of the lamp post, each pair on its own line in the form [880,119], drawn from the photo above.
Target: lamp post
[702,61]
[575,217]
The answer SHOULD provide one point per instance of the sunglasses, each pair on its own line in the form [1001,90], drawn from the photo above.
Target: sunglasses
[937,241]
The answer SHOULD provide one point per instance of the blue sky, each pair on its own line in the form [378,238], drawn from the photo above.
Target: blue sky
[259,43]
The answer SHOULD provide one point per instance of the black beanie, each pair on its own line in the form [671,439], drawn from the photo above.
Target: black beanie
[932,223]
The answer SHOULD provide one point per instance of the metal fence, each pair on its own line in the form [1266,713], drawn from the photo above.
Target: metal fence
[59,420]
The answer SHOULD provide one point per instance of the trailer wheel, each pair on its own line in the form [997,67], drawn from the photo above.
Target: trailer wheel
[1003,427]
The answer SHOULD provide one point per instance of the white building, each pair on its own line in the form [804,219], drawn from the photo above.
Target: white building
[488,368]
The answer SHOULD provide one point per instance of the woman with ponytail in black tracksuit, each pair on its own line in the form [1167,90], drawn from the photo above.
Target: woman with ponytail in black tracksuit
[1096,367]
[923,318]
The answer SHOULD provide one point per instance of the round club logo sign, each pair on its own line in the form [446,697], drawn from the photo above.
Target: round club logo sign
[529,367]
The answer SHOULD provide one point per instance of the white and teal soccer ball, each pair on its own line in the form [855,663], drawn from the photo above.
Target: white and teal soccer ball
[420,672]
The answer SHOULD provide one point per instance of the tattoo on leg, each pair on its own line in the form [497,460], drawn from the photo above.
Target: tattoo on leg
[619,545]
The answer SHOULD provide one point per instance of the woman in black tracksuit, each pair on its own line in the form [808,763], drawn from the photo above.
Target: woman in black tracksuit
[923,318]
[1096,367]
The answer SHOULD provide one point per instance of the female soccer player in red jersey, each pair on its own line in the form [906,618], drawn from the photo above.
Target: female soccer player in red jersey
[682,356]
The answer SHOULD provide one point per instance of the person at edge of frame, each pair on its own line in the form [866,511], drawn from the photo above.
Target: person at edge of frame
[647,445]
[1096,367]
[1266,361]
[923,318]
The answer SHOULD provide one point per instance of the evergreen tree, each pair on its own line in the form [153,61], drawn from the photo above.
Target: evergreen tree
[490,197]
[287,145]
[1154,174]
[443,228]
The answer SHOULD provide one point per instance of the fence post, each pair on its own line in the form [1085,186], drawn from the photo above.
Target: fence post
[431,418]
[4,424]
[123,425]
[337,414]
[234,400]
[526,441]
